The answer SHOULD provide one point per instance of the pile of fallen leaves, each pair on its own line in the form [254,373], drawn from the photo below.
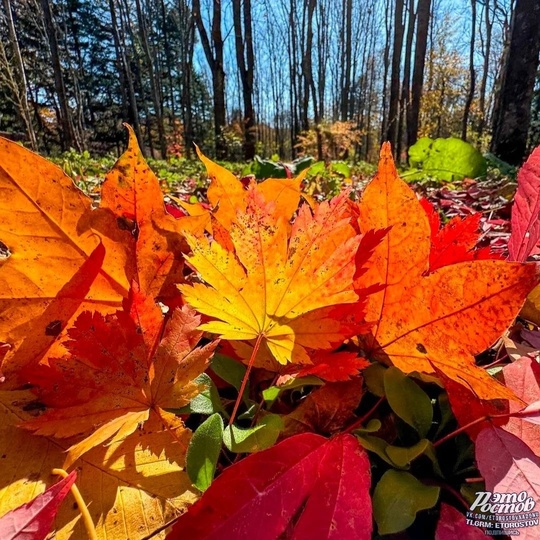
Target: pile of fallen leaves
[261,366]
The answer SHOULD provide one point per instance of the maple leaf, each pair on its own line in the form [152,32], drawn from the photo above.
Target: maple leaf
[227,195]
[60,259]
[334,366]
[288,290]
[132,193]
[326,410]
[34,519]
[523,377]
[526,210]
[526,226]
[455,242]
[63,257]
[305,487]
[120,374]
[436,319]
[467,408]
[132,489]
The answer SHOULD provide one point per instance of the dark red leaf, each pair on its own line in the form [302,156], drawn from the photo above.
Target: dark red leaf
[334,366]
[306,487]
[453,524]
[526,211]
[467,407]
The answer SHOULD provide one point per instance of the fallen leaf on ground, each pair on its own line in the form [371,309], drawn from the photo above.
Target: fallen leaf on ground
[132,194]
[523,377]
[526,210]
[455,241]
[63,257]
[326,410]
[122,371]
[334,366]
[288,290]
[305,487]
[440,319]
[130,490]
[227,195]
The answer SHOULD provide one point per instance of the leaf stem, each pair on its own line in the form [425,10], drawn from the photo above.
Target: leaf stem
[487,417]
[474,480]
[245,379]
[83,509]
[460,430]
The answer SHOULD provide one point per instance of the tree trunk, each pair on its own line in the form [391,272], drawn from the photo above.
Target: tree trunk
[153,81]
[215,61]
[246,66]
[405,88]
[188,46]
[472,74]
[423,12]
[130,110]
[485,68]
[512,117]
[19,65]
[386,62]
[347,58]
[393,110]
[68,138]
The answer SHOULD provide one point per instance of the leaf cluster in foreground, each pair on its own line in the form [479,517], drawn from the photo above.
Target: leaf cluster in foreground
[264,365]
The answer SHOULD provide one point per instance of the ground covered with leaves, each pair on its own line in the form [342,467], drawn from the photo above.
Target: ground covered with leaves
[259,360]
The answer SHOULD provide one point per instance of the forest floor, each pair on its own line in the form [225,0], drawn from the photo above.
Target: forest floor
[186,179]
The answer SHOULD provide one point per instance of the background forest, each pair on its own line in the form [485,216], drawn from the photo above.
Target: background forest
[328,78]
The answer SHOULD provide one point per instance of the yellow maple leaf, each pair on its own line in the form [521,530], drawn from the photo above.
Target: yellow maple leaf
[285,287]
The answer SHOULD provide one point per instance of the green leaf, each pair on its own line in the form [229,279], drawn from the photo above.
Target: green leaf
[254,439]
[207,402]
[446,414]
[402,457]
[230,371]
[319,167]
[374,379]
[203,452]
[372,426]
[375,445]
[271,394]
[397,498]
[408,400]
[341,168]
[397,456]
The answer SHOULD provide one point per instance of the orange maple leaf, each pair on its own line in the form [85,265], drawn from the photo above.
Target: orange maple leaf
[287,288]
[132,193]
[227,195]
[440,319]
[63,257]
[122,370]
